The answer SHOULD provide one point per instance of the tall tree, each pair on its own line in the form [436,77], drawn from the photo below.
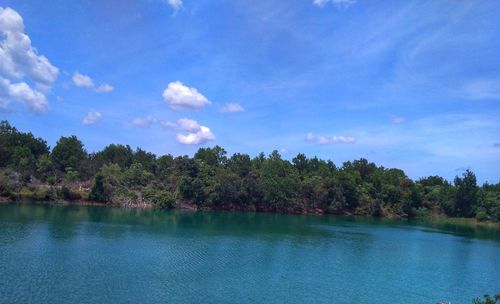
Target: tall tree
[467,193]
[68,153]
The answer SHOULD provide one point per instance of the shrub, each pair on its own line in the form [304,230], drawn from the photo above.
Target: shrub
[68,194]
[159,199]
[481,215]
[51,180]
[100,192]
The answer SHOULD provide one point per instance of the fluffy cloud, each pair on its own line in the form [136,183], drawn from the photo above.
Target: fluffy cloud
[484,89]
[195,138]
[334,139]
[179,97]
[22,92]
[231,108]
[397,120]
[84,81]
[340,3]
[175,4]
[92,118]
[190,131]
[104,88]
[169,124]
[144,121]
[19,60]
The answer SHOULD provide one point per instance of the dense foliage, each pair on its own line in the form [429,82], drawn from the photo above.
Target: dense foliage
[213,180]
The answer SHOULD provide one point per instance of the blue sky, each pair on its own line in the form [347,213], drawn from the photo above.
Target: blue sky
[407,84]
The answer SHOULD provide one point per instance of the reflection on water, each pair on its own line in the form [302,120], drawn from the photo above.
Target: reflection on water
[51,254]
[64,221]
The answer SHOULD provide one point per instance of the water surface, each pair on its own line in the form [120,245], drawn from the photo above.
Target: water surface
[51,254]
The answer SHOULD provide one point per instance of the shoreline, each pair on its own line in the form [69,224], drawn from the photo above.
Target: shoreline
[432,219]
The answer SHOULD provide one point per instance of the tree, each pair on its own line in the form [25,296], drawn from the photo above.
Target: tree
[106,183]
[215,156]
[300,163]
[362,166]
[279,182]
[467,193]
[68,153]
[44,166]
[164,167]
[20,150]
[146,159]
[23,160]
[136,175]
[99,192]
[240,164]
[115,154]
[211,179]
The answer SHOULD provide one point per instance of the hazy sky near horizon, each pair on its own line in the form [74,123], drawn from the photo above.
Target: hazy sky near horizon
[407,84]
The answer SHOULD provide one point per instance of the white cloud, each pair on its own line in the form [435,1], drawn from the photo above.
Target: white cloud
[397,120]
[22,92]
[168,124]
[231,108]
[190,131]
[18,60]
[187,124]
[333,139]
[339,3]
[310,137]
[178,97]
[104,88]
[195,138]
[144,121]
[92,118]
[84,81]
[175,4]
[483,89]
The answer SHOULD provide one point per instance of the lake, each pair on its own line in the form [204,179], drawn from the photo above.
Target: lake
[77,254]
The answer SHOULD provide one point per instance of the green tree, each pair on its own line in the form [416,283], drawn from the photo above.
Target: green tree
[99,192]
[136,175]
[68,153]
[467,194]
[20,150]
[115,154]
[146,159]
[240,164]
[44,166]
[279,181]
[215,156]
[108,181]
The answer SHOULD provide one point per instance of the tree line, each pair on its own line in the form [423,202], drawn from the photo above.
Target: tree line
[211,179]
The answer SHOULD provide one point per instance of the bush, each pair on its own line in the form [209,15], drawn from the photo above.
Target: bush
[422,212]
[36,194]
[10,183]
[137,176]
[100,192]
[481,215]
[159,199]
[51,180]
[68,194]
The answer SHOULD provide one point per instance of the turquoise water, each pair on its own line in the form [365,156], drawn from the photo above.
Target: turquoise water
[52,254]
